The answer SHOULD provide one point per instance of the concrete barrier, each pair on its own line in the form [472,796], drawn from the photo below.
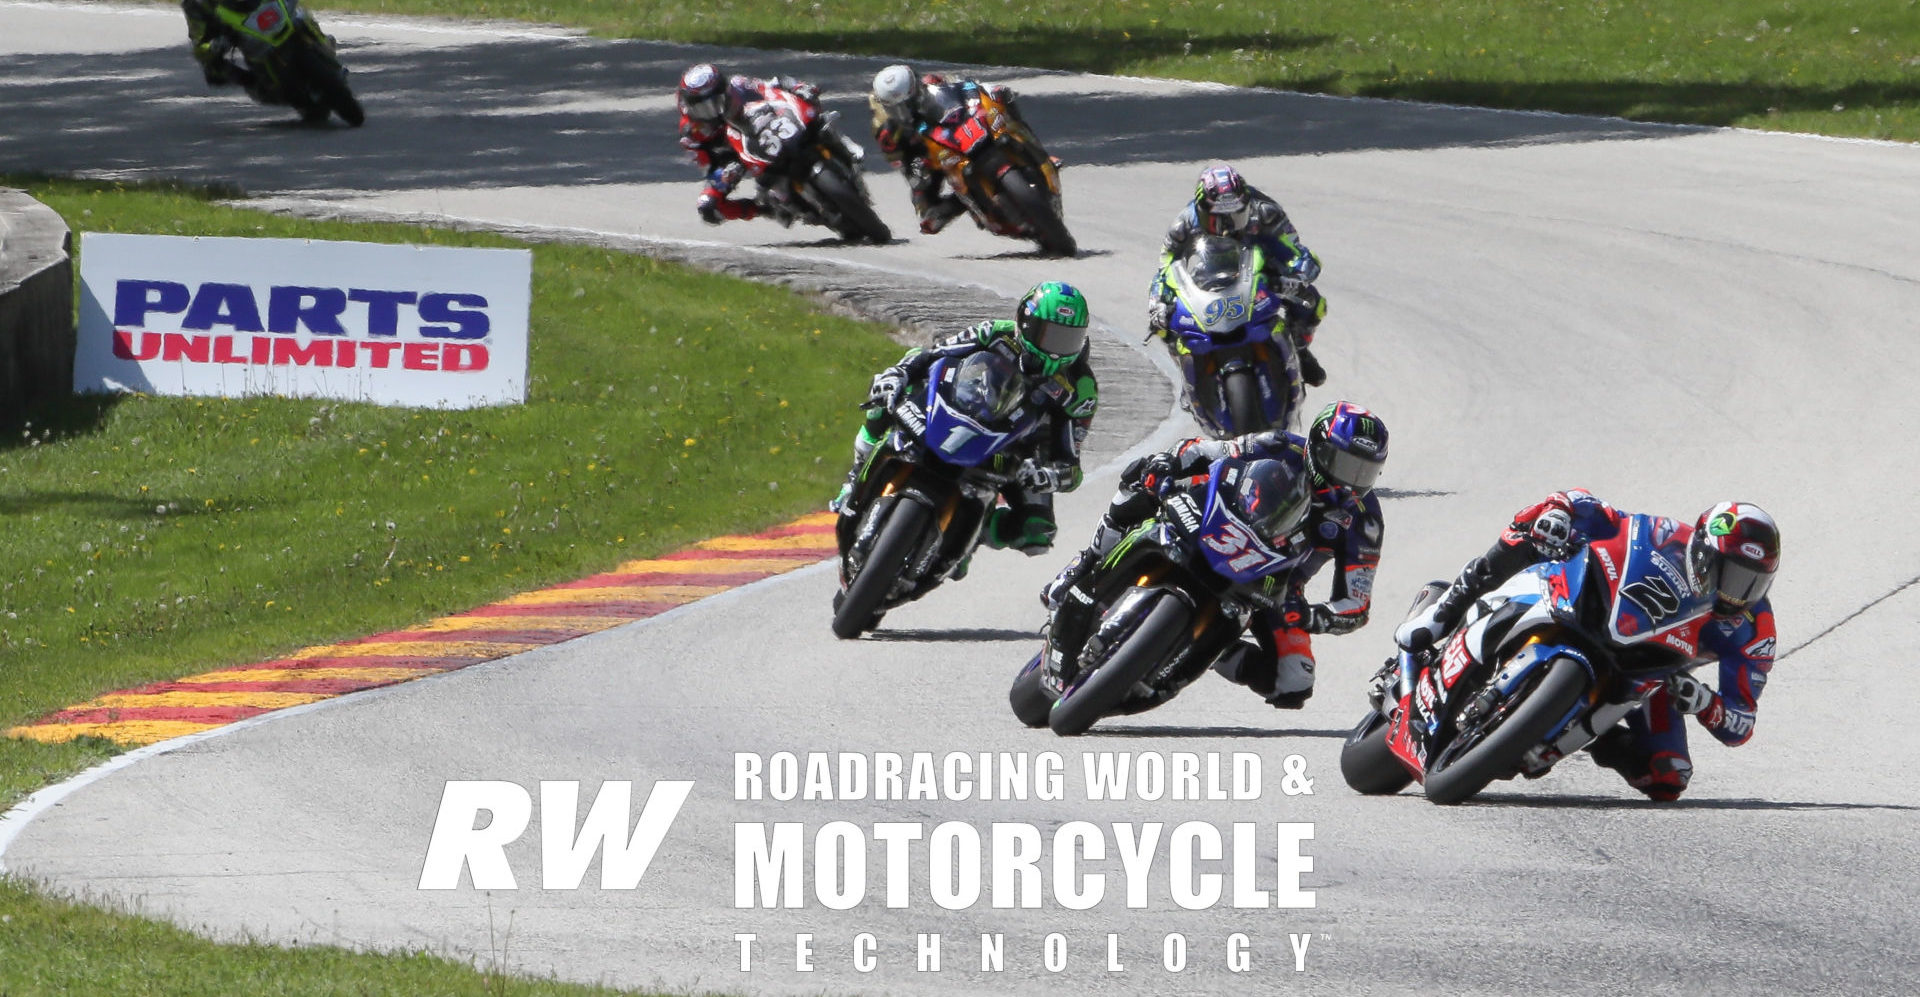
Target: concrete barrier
[36,304]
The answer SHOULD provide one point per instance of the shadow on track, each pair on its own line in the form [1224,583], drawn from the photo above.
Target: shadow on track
[961,634]
[1261,732]
[569,111]
[1621,803]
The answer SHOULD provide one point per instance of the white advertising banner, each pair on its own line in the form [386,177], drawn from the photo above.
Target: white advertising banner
[425,326]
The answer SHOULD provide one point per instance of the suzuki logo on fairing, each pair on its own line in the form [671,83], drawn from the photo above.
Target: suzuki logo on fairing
[1653,595]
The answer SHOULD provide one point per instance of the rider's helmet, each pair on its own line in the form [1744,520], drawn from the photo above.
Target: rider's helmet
[1734,553]
[988,387]
[1347,446]
[1052,320]
[703,93]
[895,87]
[1273,496]
[1222,200]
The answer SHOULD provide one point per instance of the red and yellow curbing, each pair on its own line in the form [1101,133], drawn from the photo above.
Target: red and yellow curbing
[633,591]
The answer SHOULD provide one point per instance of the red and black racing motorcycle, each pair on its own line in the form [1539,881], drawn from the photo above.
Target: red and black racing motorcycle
[807,171]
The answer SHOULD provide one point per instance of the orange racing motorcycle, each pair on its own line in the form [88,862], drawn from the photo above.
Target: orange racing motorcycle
[997,168]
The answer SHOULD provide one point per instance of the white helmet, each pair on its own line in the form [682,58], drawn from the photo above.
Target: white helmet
[894,85]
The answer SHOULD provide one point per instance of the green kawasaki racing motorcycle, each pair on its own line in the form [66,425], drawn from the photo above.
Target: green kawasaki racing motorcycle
[288,59]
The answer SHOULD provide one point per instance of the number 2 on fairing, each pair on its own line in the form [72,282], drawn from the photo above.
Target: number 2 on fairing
[1231,308]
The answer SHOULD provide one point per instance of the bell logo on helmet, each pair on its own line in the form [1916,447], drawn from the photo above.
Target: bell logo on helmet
[1753,550]
[1065,313]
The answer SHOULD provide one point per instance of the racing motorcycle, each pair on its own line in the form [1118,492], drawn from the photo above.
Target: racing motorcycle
[1536,670]
[997,168]
[287,59]
[1172,596]
[922,501]
[807,170]
[1227,330]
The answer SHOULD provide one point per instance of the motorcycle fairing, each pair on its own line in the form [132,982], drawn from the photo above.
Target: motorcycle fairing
[958,437]
[1651,597]
[1233,549]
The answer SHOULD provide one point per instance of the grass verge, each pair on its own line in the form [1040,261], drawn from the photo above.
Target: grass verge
[57,947]
[152,537]
[1839,67]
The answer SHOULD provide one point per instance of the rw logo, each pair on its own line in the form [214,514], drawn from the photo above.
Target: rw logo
[565,856]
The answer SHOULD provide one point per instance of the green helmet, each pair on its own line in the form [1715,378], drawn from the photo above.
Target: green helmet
[1052,320]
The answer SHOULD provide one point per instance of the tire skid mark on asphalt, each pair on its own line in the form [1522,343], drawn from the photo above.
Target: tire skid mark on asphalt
[160,711]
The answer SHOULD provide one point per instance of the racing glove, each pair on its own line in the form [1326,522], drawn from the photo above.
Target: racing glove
[1152,474]
[1690,695]
[887,388]
[1552,534]
[1038,478]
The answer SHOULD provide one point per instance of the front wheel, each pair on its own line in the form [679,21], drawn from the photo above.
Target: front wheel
[1163,626]
[1493,747]
[1366,762]
[1028,698]
[859,609]
[1036,209]
[1241,391]
[857,219]
[328,82]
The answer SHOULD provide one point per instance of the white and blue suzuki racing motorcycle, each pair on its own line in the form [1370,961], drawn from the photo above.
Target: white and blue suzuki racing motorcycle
[1227,332]
[1169,599]
[922,500]
[1537,668]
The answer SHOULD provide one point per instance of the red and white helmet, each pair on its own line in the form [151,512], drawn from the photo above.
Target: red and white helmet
[1734,554]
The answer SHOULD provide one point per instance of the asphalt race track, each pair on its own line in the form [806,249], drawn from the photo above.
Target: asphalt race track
[1665,316]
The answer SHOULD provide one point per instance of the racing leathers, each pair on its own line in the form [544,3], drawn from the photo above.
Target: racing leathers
[212,40]
[899,131]
[708,143]
[1343,529]
[1291,270]
[1049,456]
[1650,750]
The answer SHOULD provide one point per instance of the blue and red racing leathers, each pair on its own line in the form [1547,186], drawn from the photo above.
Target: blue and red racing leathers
[1651,750]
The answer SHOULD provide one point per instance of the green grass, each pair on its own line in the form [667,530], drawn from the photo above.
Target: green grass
[57,947]
[151,537]
[1841,67]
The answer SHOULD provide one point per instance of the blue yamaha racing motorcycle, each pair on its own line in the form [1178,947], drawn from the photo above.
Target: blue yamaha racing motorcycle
[1172,596]
[921,503]
[1227,332]
[1536,670]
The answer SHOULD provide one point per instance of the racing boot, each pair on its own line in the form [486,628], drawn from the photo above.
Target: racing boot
[863,444]
[1083,563]
[1311,373]
[939,213]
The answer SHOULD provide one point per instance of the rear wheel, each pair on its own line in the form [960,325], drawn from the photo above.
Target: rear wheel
[1029,700]
[857,218]
[1036,209]
[859,609]
[1366,762]
[1163,626]
[1493,747]
[1242,393]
